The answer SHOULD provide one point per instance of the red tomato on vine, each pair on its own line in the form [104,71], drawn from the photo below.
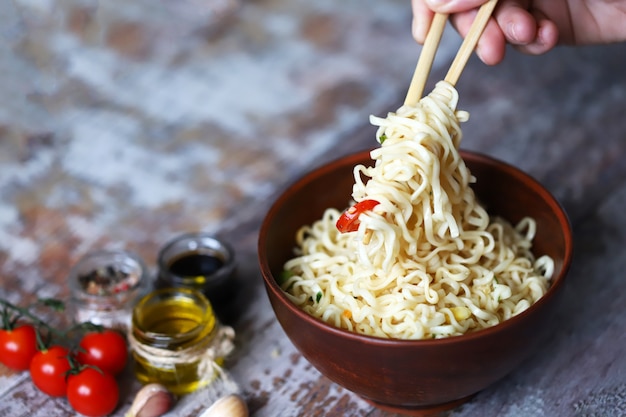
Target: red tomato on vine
[48,370]
[92,393]
[105,349]
[18,346]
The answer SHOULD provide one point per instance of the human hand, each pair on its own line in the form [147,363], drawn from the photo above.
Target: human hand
[530,26]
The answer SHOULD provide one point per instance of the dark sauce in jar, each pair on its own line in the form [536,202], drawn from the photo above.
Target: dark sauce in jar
[201,262]
[195,264]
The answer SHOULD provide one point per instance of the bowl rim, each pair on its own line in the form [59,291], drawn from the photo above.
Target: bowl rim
[554,288]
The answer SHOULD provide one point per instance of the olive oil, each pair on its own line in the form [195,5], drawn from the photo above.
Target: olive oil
[173,328]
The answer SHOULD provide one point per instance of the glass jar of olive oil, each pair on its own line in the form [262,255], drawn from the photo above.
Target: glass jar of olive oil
[171,336]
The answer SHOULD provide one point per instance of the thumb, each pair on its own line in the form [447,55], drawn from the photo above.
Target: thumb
[453,6]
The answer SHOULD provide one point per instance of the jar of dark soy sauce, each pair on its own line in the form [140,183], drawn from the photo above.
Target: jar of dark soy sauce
[202,262]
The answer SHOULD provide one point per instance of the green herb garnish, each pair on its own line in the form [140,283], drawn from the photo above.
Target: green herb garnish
[284,276]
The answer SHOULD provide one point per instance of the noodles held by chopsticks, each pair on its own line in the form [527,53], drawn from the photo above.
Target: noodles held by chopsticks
[427,261]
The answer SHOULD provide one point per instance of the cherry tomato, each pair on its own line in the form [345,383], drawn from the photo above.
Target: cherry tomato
[349,219]
[18,346]
[48,370]
[92,393]
[106,349]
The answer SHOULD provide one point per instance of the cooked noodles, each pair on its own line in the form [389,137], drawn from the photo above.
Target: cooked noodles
[427,261]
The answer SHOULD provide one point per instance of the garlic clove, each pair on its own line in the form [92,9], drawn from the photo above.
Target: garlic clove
[152,400]
[229,406]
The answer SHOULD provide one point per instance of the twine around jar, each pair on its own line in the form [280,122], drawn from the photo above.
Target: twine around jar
[206,353]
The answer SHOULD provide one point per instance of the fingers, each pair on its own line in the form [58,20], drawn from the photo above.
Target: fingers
[546,36]
[517,24]
[529,31]
[491,45]
[514,21]
[453,6]
[424,10]
[422,19]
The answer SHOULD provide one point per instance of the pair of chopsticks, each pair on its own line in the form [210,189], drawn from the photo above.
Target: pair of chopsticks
[427,56]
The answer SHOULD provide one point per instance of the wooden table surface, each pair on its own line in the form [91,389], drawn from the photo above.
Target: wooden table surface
[123,124]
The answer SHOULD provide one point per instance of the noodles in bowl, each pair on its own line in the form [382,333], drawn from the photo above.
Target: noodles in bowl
[413,375]
[426,261]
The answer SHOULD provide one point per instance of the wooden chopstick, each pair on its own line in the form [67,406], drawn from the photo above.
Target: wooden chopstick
[470,42]
[427,56]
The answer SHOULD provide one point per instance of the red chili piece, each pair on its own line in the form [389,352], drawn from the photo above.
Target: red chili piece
[349,219]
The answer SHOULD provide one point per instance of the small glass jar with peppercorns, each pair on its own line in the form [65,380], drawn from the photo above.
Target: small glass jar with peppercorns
[105,285]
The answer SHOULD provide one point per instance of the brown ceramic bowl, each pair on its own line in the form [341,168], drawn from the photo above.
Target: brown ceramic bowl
[420,377]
